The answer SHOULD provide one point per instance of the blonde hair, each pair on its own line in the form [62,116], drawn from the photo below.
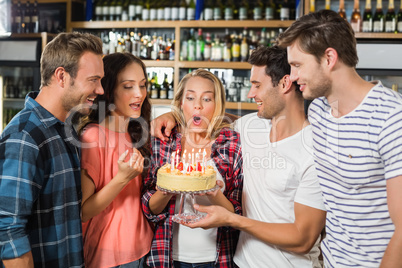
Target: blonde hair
[218,121]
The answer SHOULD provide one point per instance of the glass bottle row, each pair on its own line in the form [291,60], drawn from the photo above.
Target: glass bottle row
[130,10]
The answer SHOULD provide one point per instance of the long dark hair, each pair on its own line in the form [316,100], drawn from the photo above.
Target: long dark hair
[138,129]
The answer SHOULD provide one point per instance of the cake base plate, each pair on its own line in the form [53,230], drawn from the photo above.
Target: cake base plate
[193,215]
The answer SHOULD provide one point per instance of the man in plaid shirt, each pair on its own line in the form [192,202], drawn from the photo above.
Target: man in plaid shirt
[40,183]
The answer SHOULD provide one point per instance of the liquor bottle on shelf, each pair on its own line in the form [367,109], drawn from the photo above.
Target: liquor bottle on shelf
[163,93]
[27,18]
[98,10]
[146,10]
[341,10]
[184,46]
[35,18]
[235,48]
[199,46]
[112,10]
[227,47]
[367,25]
[244,49]
[18,19]
[328,4]
[191,10]
[183,10]
[270,10]
[153,10]
[390,18]
[229,10]
[378,20]
[170,93]
[245,88]
[167,11]
[284,11]
[312,6]
[175,10]
[160,10]
[258,10]
[208,10]
[105,10]
[243,10]
[217,49]
[355,19]
[207,47]
[138,10]
[118,10]
[218,7]
[399,19]
[155,87]
[191,46]
[131,10]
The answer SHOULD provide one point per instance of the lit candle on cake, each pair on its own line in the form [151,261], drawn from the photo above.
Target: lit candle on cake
[189,161]
[177,158]
[204,164]
[172,162]
[184,161]
[192,157]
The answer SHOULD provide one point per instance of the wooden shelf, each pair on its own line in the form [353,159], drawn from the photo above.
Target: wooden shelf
[214,64]
[229,105]
[181,24]
[159,63]
[378,35]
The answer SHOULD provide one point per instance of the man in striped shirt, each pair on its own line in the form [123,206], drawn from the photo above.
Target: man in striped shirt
[40,183]
[357,127]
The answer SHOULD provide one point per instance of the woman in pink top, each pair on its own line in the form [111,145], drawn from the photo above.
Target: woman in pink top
[115,143]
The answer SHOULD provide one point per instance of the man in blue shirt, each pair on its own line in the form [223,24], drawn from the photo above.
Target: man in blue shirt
[40,185]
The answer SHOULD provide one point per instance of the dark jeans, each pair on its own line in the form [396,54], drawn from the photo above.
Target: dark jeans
[135,264]
[180,264]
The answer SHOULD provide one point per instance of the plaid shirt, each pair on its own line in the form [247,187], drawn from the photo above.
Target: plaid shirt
[40,190]
[226,153]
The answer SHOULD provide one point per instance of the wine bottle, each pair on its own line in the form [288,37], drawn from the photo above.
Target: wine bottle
[183,10]
[191,10]
[168,10]
[105,10]
[229,10]
[244,49]
[27,18]
[355,19]
[199,46]
[138,10]
[270,10]
[390,18]
[208,10]
[243,10]
[218,10]
[175,10]
[163,94]
[341,10]
[367,25]
[284,11]
[235,48]
[258,10]
[399,19]
[119,10]
[153,10]
[191,46]
[207,47]
[328,4]
[378,20]
[312,6]
[35,18]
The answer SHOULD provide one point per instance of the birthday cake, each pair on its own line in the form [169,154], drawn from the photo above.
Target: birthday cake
[194,178]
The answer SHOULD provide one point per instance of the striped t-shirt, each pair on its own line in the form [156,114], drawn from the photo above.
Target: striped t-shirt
[355,155]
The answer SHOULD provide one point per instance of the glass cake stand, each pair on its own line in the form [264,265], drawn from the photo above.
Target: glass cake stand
[187,213]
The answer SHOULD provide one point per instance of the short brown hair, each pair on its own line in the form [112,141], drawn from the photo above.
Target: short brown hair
[65,51]
[315,32]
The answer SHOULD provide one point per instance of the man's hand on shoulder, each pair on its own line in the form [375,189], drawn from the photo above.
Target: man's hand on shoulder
[162,126]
